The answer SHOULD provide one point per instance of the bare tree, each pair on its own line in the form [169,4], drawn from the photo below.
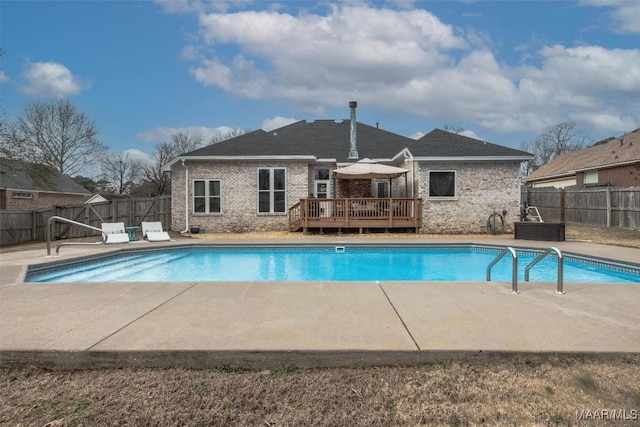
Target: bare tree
[453,128]
[180,142]
[184,141]
[155,182]
[553,141]
[121,172]
[90,184]
[55,134]
[228,135]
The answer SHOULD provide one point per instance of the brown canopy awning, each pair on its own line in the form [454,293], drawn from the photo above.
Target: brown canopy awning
[368,169]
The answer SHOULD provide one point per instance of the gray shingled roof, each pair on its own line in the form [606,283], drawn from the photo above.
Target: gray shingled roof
[618,151]
[19,175]
[324,139]
[329,139]
[440,143]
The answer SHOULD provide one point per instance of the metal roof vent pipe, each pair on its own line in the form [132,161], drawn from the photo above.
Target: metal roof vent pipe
[353,150]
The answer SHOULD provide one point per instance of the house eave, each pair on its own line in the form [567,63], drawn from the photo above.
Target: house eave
[34,190]
[608,166]
[471,158]
[551,177]
[403,154]
[380,160]
[167,167]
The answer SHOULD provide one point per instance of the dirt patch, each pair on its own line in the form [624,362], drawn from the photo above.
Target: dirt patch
[607,236]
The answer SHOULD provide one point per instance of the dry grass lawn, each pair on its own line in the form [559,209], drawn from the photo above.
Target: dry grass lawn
[519,391]
[530,391]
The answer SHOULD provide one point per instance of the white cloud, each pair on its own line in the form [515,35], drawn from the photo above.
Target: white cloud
[162,134]
[606,122]
[470,134]
[190,53]
[138,156]
[276,123]
[409,61]
[199,6]
[308,53]
[51,80]
[3,77]
[628,16]
[213,73]
[625,13]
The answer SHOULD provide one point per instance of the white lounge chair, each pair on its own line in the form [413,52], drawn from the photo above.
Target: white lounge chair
[153,232]
[115,232]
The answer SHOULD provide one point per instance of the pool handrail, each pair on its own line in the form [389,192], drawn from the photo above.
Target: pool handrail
[560,281]
[514,267]
[70,221]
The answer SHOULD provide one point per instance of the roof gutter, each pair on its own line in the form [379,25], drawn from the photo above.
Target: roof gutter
[471,158]
[167,166]
[186,198]
[607,166]
[33,190]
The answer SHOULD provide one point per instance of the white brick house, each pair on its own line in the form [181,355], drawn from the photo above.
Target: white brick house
[248,183]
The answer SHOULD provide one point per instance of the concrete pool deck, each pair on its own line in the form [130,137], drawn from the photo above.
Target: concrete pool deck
[260,325]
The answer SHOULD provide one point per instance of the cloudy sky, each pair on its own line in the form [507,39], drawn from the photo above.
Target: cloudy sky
[502,70]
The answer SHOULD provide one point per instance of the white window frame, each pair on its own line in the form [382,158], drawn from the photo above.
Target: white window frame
[271,191]
[590,176]
[317,181]
[207,196]
[455,185]
[21,195]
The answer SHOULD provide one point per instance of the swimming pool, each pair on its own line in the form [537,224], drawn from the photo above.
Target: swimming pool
[263,263]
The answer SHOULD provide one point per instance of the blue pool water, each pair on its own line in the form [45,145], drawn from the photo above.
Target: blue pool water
[329,263]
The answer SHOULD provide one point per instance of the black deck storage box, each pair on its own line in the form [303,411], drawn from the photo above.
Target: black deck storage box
[550,231]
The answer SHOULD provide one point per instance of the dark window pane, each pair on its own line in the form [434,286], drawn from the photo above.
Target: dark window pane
[383,189]
[442,184]
[278,179]
[278,201]
[214,188]
[264,204]
[263,179]
[214,204]
[198,188]
[199,204]
[322,174]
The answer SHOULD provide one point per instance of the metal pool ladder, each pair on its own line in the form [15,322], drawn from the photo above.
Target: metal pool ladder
[514,272]
[559,286]
[61,219]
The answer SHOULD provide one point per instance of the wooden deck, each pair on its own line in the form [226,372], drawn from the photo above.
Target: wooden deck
[365,213]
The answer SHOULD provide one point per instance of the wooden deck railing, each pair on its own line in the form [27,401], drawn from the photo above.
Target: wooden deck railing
[358,213]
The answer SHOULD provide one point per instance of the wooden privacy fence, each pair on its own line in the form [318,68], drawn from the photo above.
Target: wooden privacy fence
[25,226]
[605,206]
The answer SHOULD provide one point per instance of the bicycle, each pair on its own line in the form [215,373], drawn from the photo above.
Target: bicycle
[496,223]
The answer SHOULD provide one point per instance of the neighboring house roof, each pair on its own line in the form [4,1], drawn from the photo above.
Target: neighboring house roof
[19,175]
[96,198]
[442,144]
[330,140]
[617,152]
